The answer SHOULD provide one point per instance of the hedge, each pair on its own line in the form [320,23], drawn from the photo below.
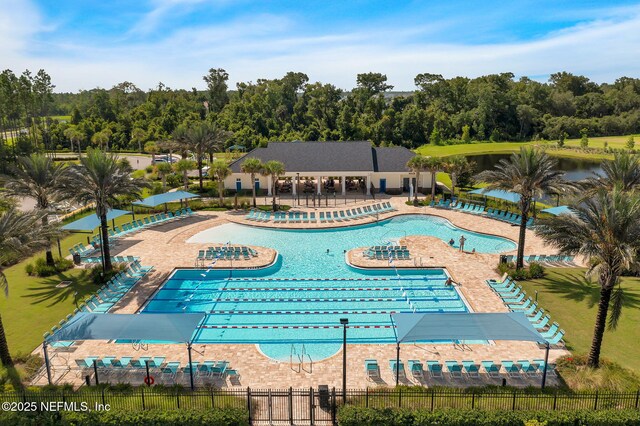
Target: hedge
[351,416]
[209,417]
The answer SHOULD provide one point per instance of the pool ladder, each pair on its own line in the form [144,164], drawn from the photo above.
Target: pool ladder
[299,365]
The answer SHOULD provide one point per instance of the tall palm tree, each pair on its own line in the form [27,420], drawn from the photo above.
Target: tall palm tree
[21,234]
[163,169]
[99,179]
[184,166]
[202,138]
[623,171]
[40,178]
[433,165]
[455,166]
[274,169]
[606,230]
[75,135]
[529,173]
[220,170]
[417,165]
[252,166]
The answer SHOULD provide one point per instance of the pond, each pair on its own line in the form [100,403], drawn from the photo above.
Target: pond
[576,169]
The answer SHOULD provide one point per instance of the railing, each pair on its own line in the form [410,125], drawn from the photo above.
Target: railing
[302,358]
[319,406]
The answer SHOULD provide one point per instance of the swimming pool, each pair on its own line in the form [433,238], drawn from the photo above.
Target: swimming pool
[302,296]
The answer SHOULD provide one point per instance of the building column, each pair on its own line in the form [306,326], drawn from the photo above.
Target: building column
[343,184]
[294,186]
[269,185]
[319,184]
[368,184]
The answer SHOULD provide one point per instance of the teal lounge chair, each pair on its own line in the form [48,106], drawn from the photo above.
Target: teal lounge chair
[455,369]
[492,369]
[471,368]
[396,366]
[322,218]
[512,369]
[434,368]
[527,368]
[416,368]
[312,217]
[372,368]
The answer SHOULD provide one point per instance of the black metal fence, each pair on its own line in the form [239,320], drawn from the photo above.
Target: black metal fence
[319,406]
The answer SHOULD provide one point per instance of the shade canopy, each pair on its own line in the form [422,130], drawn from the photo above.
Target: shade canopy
[498,193]
[464,326]
[556,211]
[177,328]
[167,197]
[91,222]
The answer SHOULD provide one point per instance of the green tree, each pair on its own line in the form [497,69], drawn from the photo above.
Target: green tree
[74,135]
[531,173]
[417,166]
[40,178]
[202,138]
[273,169]
[561,139]
[631,142]
[163,169]
[21,234]
[220,170]
[137,136]
[217,86]
[100,179]
[623,172]
[152,148]
[433,165]
[605,229]
[184,166]
[584,138]
[456,165]
[252,166]
[466,134]
[435,138]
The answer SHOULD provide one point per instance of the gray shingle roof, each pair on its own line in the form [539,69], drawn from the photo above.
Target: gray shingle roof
[357,156]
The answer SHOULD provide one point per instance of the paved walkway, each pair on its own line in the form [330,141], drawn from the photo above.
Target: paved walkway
[165,248]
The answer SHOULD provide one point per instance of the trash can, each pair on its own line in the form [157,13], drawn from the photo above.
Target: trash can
[77,259]
[503,259]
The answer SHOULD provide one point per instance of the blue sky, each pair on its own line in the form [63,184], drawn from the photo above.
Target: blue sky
[86,44]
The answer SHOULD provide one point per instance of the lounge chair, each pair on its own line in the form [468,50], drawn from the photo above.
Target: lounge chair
[336,217]
[305,217]
[527,368]
[219,369]
[471,368]
[416,369]
[372,369]
[455,369]
[556,339]
[399,367]
[312,217]
[551,368]
[492,369]
[434,368]
[170,369]
[512,369]
[540,325]
[322,218]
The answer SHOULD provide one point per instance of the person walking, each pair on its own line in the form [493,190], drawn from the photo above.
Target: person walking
[462,240]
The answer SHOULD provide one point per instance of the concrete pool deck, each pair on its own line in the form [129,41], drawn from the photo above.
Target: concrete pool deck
[165,248]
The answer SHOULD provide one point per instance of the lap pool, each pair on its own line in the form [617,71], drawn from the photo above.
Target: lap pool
[301,298]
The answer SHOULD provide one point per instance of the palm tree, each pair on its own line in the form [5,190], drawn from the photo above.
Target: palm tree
[274,169]
[202,138]
[252,166]
[138,135]
[40,178]
[606,230]
[184,166]
[75,135]
[623,171]
[21,234]
[417,165]
[220,171]
[529,173]
[455,166]
[99,179]
[163,170]
[433,165]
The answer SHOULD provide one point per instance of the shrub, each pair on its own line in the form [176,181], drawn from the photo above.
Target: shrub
[352,416]
[41,269]
[534,270]
[148,169]
[99,277]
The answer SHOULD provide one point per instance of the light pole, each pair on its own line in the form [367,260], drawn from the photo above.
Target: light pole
[344,322]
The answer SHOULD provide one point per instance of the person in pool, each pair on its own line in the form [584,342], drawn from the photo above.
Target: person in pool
[452,242]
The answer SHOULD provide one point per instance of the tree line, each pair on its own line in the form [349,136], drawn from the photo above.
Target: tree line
[496,107]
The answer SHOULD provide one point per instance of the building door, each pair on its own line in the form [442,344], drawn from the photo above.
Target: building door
[238,185]
[405,184]
[257,184]
[383,186]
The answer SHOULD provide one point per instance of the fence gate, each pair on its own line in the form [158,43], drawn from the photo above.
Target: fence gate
[293,406]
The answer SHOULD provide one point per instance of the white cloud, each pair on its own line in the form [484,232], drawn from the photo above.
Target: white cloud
[267,46]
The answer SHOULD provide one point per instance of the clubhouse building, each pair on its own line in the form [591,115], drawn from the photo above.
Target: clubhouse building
[332,167]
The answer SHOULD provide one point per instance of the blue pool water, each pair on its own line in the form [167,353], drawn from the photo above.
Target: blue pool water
[301,298]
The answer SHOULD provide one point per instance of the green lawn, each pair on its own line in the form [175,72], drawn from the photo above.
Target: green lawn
[617,142]
[34,304]
[571,300]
